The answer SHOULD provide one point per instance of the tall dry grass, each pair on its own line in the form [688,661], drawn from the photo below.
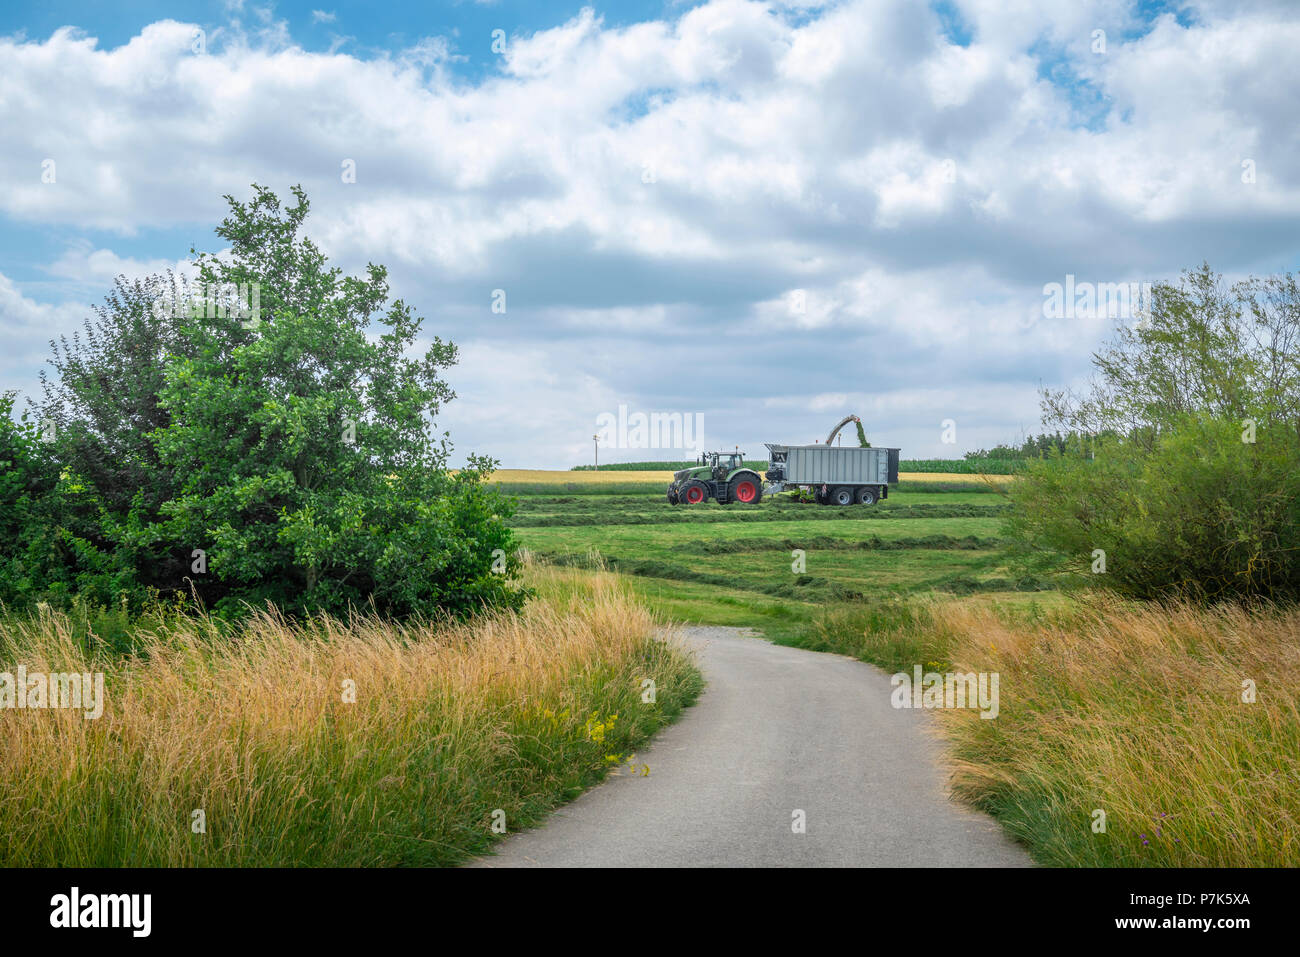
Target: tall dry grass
[450,723]
[1137,710]
[1132,709]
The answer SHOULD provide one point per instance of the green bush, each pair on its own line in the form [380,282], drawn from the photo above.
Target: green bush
[1199,514]
[1194,488]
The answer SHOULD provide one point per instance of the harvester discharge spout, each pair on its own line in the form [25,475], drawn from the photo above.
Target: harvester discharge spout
[862,436]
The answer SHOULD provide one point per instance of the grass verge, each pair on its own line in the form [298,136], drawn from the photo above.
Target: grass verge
[1133,710]
[513,713]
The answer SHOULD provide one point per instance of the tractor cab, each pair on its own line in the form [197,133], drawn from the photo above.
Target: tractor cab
[722,464]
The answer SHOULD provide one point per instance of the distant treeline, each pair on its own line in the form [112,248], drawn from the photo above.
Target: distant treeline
[1037,447]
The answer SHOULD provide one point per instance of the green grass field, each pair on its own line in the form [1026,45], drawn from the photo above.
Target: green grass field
[737,564]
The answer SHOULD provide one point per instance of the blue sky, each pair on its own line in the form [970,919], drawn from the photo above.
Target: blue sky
[767,214]
[364,30]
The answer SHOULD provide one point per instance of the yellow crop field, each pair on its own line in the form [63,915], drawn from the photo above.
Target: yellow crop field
[577,478]
[951,477]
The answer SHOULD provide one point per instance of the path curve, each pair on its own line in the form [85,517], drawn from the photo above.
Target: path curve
[777,730]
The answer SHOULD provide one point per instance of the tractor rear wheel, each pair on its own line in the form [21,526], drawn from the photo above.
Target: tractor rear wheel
[841,495]
[746,490]
[695,493]
[866,495]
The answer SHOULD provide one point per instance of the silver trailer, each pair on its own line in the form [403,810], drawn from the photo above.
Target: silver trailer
[836,475]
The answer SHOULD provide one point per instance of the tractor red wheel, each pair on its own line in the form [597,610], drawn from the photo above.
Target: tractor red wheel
[694,494]
[746,490]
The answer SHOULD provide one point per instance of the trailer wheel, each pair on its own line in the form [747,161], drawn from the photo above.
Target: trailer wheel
[840,495]
[866,495]
[694,493]
[746,490]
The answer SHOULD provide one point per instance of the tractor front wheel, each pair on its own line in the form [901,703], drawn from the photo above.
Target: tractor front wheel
[695,493]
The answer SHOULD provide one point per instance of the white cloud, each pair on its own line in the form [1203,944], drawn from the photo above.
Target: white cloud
[28,327]
[82,263]
[651,196]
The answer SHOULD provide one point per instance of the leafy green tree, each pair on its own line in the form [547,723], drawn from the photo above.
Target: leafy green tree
[49,548]
[102,406]
[24,482]
[1205,350]
[1190,484]
[302,444]
[265,433]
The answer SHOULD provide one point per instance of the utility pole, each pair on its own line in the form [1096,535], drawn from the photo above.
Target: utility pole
[595,439]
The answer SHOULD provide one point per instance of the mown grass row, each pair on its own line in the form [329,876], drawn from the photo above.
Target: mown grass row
[835,584]
[542,504]
[947,487]
[739,514]
[1128,734]
[713,546]
[450,727]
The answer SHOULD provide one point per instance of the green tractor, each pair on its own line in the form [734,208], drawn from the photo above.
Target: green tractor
[720,476]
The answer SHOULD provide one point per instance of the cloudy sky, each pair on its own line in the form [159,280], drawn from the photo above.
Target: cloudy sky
[767,214]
